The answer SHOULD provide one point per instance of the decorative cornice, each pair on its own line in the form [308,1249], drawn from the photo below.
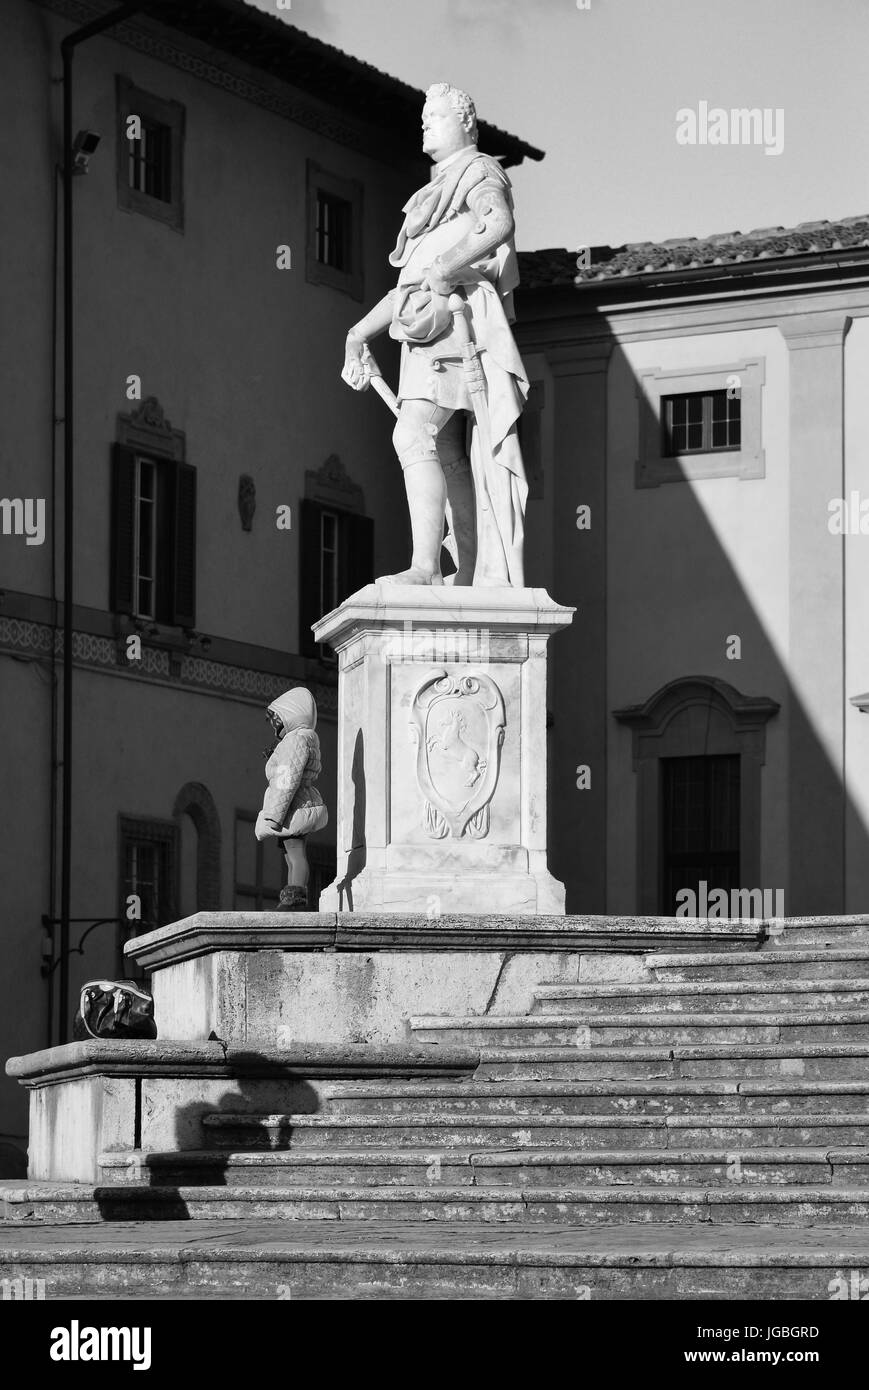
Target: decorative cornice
[196,674]
[221,70]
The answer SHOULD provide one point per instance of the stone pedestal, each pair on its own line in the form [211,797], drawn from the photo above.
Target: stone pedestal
[442,750]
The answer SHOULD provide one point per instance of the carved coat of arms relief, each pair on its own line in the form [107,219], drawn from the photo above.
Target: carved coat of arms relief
[457,723]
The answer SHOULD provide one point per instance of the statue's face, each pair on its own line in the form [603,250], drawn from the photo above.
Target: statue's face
[442,130]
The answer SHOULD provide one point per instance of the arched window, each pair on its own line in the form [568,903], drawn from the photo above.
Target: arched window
[195,800]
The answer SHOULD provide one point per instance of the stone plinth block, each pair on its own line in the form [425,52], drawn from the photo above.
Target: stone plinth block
[442,750]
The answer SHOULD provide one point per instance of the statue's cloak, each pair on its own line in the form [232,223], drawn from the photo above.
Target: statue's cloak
[437,216]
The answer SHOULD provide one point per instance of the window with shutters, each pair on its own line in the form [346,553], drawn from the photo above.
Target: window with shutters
[150,154]
[336,553]
[153,521]
[337,558]
[333,254]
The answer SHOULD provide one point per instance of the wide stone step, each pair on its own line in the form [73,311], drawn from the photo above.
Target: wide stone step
[298,1133]
[811,1061]
[505,1098]
[721,997]
[602,1030]
[552,1166]
[269,1258]
[772,963]
[39,1208]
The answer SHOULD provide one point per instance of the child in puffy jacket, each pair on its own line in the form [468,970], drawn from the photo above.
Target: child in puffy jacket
[292,807]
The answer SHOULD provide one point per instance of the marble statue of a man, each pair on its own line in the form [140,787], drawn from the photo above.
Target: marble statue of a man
[451,310]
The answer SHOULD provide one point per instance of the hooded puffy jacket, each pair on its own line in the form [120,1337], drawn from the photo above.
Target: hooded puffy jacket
[292,805]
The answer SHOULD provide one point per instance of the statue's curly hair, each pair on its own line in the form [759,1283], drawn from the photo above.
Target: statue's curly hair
[461,104]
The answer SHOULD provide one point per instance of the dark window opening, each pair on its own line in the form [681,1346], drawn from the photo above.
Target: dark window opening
[336,559]
[148,872]
[150,161]
[333,231]
[153,565]
[701,423]
[699,825]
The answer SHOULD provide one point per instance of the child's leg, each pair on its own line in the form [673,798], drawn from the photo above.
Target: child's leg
[297,861]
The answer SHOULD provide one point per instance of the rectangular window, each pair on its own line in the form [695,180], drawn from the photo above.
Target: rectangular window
[336,558]
[150,154]
[153,563]
[334,226]
[699,825]
[260,867]
[145,560]
[333,251]
[700,422]
[150,161]
[149,875]
[329,560]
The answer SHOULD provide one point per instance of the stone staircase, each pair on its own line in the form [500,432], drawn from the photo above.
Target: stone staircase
[696,1128]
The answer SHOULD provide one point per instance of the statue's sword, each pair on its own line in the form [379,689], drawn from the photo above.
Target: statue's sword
[375,377]
[476,386]
[476,381]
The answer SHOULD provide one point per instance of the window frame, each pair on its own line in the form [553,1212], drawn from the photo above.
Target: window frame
[151,831]
[147,435]
[654,384]
[707,424]
[134,101]
[321,181]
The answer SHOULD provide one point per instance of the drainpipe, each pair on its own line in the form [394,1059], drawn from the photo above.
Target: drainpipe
[67,48]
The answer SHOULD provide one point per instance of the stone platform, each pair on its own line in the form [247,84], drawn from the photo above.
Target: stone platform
[334,978]
[681,1114]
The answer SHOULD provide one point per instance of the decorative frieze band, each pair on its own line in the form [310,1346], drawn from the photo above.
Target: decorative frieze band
[280,99]
[194,672]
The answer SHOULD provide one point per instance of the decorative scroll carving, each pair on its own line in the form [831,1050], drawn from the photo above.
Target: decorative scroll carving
[458,724]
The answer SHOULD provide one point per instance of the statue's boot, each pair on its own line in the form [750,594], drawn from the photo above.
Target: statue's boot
[426,499]
[293,898]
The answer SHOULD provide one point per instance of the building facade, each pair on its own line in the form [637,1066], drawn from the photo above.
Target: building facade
[704,435]
[234,217]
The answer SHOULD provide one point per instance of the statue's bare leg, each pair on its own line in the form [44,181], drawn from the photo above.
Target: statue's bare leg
[460,496]
[414,439]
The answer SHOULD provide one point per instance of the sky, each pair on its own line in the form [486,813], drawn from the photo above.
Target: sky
[598,89]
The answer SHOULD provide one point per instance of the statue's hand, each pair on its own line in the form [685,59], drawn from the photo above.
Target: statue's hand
[435,281]
[356,372]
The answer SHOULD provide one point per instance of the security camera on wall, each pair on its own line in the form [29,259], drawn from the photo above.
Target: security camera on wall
[83,147]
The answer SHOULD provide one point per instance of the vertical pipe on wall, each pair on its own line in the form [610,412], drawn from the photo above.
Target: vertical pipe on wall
[67,48]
